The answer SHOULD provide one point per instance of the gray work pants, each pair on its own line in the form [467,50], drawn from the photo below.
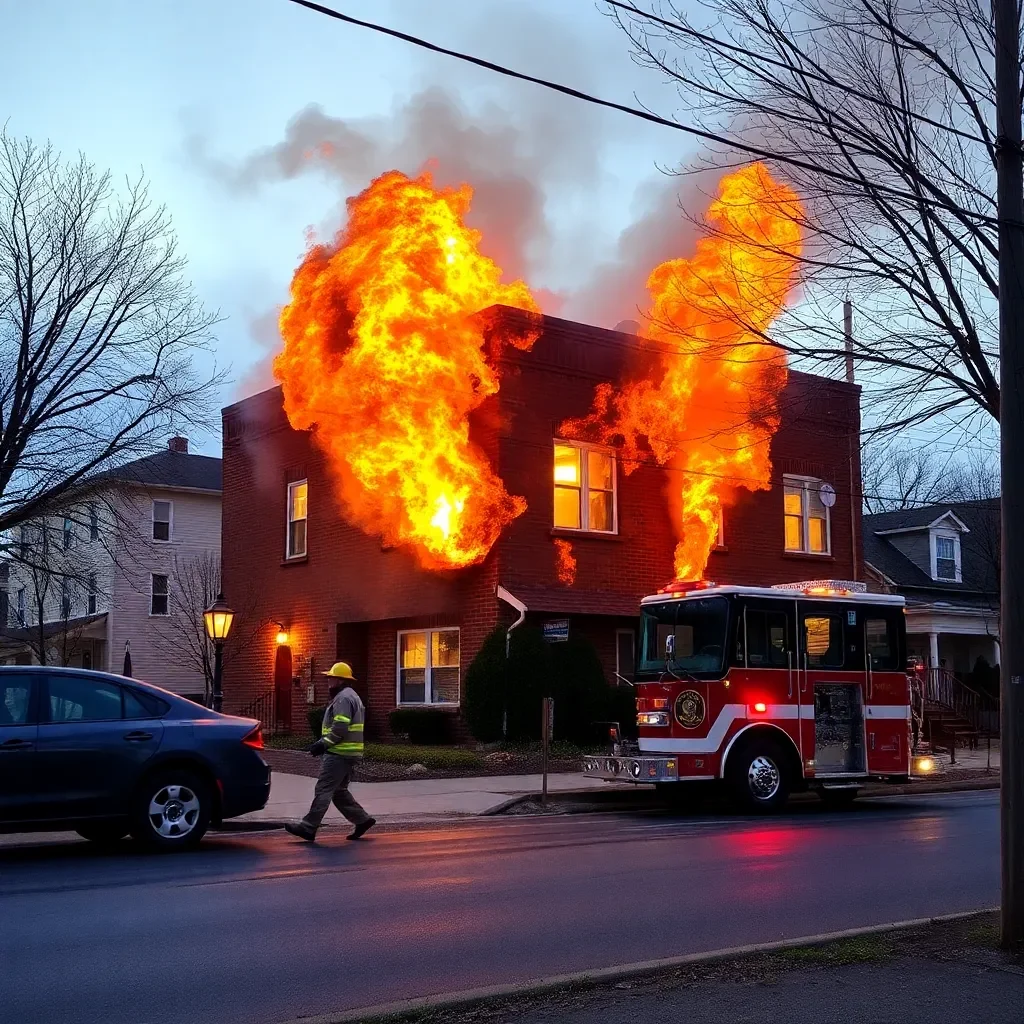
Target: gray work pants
[332,785]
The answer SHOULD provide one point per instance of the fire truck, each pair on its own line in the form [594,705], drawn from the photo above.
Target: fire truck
[770,689]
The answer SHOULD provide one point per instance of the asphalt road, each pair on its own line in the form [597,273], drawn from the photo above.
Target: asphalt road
[262,928]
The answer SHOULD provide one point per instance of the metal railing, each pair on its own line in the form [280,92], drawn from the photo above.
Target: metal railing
[263,708]
[978,709]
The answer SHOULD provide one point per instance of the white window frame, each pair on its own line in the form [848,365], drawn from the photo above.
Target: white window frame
[720,537]
[584,488]
[806,483]
[21,606]
[68,533]
[170,521]
[152,594]
[952,535]
[427,681]
[288,553]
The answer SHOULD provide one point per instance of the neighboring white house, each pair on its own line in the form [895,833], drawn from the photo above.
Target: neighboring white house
[107,574]
[944,559]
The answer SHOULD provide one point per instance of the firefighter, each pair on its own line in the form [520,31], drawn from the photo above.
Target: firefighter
[341,745]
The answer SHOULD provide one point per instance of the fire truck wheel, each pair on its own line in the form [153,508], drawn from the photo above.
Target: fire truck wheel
[759,775]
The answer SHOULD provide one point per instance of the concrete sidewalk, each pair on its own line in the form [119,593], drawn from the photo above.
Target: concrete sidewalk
[418,799]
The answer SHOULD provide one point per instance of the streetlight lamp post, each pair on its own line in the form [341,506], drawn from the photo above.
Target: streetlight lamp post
[218,618]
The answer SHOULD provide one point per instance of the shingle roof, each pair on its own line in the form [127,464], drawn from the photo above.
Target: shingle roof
[979,549]
[171,469]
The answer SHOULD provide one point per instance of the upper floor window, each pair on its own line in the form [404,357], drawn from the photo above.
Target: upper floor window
[65,599]
[946,557]
[808,526]
[69,532]
[94,523]
[91,605]
[159,596]
[584,488]
[296,541]
[21,607]
[162,520]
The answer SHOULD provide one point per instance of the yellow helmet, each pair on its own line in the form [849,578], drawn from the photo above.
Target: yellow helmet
[340,670]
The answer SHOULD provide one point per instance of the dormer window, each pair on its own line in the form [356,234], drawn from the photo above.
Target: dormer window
[946,557]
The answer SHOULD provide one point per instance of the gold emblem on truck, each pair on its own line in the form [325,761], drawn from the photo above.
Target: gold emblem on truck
[689,709]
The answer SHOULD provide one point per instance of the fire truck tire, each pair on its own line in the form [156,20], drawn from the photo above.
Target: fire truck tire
[759,775]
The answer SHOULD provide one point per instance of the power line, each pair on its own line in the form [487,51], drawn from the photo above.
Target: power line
[645,115]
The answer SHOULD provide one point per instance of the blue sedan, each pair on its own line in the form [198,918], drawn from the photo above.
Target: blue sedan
[107,756]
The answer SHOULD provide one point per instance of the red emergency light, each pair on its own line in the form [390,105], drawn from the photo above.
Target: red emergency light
[687,586]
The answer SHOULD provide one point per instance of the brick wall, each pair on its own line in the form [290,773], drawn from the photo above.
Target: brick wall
[348,597]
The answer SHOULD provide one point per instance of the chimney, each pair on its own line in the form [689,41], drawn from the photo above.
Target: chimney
[848,338]
[627,327]
[179,445]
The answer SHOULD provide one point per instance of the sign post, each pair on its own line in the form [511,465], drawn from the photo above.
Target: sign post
[547,722]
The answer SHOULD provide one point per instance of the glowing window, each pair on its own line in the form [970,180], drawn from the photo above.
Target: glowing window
[297,508]
[807,517]
[584,482]
[428,666]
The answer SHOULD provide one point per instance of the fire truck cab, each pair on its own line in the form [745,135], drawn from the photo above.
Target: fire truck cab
[771,689]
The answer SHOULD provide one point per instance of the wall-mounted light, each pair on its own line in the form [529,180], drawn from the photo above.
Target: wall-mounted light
[282,634]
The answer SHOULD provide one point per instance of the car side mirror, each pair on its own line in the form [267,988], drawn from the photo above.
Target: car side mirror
[670,647]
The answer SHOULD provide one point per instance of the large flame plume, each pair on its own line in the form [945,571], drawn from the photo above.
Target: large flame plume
[708,404]
[383,356]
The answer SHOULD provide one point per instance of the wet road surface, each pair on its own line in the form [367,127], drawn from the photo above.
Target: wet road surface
[262,928]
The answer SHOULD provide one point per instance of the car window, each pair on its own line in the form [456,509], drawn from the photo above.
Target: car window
[143,705]
[15,700]
[83,699]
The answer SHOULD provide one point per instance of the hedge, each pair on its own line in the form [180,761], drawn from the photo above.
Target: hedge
[423,726]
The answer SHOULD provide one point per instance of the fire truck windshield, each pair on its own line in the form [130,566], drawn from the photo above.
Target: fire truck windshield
[699,627]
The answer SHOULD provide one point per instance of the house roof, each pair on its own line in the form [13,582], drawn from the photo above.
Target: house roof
[170,469]
[979,545]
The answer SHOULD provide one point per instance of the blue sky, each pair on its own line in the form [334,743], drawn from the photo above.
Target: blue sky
[189,91]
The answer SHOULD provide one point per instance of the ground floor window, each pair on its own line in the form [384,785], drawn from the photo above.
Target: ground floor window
[428,666]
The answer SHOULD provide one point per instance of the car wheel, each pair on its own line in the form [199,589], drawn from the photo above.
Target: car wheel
[835,799]
[106,834]
[172,810]
[759,776]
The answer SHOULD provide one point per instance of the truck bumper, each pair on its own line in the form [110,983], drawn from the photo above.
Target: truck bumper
[639,768]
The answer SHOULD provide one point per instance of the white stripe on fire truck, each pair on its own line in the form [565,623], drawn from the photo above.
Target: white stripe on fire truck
[704,744]
[889,711]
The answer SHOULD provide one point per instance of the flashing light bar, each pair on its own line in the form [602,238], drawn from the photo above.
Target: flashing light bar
[686,586]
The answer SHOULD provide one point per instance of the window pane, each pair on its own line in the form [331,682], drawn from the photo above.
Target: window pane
[297,501]
[133,707]
[567,508]
[567,465]
[794,501]
[412,686]
[444,648]
[601,510]
[945,568]
[814,503]
[945,547]
[877,640]
[297,538]
[823,641]
[794,533]
[413,650]
[818,535]
[444,685]
[600,468]
[161,531]
[14,701]
[78,699]
[159,604]
[766,638]
[161,520]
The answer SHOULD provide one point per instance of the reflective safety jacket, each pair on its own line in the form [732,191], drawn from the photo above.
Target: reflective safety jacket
[343,724]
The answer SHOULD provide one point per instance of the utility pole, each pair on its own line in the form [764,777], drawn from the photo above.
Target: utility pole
[1010,192]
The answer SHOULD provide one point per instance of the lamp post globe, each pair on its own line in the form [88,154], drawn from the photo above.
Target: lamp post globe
[218,619]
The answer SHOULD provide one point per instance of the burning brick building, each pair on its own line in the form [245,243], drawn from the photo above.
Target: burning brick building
[593,538]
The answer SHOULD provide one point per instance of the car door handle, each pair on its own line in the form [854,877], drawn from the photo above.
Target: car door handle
[16,744]
[136,737]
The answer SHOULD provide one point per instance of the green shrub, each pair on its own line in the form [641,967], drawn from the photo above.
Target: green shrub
[495,685]
[316,721]
[622,709]
[581,691]
[424,726]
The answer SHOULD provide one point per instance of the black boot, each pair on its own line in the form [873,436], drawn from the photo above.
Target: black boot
[360,830]
[302,831]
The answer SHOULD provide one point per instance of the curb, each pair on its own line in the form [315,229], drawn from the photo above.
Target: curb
[540,986]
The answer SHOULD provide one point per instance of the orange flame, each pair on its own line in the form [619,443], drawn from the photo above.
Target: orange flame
[383,356]
[565,562]
[708,407]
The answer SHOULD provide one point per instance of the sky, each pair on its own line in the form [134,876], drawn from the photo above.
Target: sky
[221,104]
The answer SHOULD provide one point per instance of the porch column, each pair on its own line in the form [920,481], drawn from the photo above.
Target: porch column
[933,650]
